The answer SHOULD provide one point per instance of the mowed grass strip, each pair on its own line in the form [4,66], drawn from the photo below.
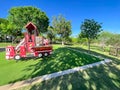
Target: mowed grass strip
[3,44]
[103,77]
[62,59]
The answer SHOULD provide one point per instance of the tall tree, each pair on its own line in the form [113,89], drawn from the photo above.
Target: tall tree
[3,20]
[62,27]
[20,16]
[3,23]
[51,33]
[90,29]
[2,27]
[7,27]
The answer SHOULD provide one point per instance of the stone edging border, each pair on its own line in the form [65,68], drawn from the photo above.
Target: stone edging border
[50,76]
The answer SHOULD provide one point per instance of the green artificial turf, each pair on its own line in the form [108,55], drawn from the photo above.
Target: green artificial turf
[62,59]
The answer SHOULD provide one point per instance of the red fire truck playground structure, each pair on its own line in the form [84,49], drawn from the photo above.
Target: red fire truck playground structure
[31,45]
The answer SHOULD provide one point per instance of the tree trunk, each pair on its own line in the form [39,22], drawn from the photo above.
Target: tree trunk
[88,45]
[62,42]
[51,41]
[12,40]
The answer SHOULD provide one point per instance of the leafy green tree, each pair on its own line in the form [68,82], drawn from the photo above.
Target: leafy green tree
[3,20]
[62,27]
[3,23]
[7,28]
[20,16]
[51,33]
[90,29]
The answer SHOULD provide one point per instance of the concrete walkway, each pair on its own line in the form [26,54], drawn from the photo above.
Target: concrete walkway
[49,76]
[2,49]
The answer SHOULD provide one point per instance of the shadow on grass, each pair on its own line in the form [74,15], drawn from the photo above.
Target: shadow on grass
[97,54]
[98,78]
[103,77]
[62,59]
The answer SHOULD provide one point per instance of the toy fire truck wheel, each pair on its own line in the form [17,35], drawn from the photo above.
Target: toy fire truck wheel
[17,57]
[45,54]
[40,55]
[50,52]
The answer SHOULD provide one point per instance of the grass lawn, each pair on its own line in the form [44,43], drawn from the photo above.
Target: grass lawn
[61,59]
[95,51]
[3,44]
[103,77]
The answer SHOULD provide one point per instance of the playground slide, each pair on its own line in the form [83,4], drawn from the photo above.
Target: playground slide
[17,48]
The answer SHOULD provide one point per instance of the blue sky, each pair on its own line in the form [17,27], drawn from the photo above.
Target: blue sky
[103,11]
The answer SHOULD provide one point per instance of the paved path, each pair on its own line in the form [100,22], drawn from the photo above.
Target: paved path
[2,49]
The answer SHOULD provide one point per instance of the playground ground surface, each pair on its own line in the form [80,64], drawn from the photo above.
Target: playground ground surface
[61,59]
[102,77]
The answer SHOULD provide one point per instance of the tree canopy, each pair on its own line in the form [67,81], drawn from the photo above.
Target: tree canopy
[2,20]
[62,27]
[90,29]
[7,28]
[20,16]
[51,33]
[3,23]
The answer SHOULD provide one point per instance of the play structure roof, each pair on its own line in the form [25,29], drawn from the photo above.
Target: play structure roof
[30,26]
